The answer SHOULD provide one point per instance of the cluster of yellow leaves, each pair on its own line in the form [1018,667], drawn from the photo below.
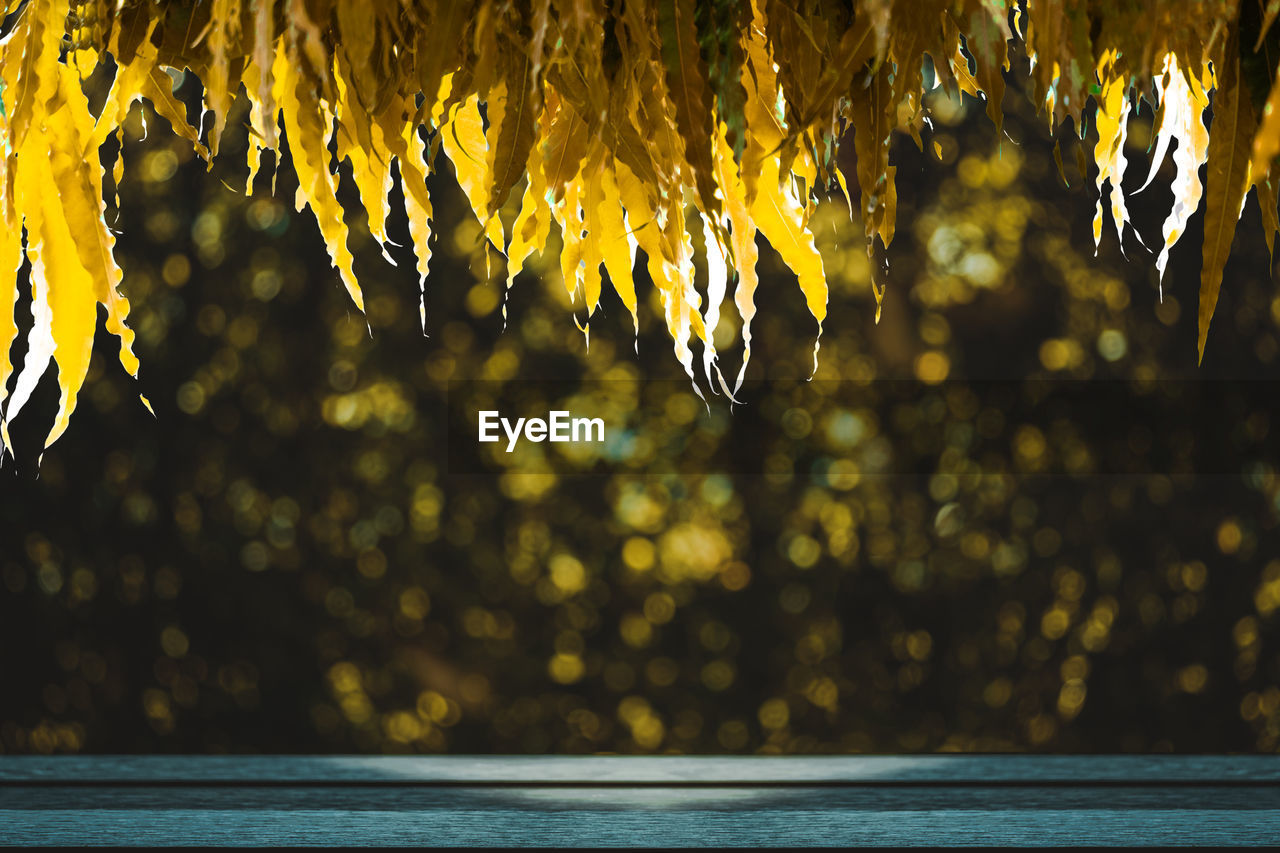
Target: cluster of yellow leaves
[624,124]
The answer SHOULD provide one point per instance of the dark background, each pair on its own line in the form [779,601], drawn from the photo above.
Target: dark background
[281,561]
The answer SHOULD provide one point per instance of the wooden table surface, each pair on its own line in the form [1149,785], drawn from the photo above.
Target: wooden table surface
[458,801]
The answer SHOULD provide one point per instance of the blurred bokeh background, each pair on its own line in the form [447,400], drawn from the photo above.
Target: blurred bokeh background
[282,560]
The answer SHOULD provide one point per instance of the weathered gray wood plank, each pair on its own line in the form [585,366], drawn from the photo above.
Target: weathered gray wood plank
[689,828]
[614,801]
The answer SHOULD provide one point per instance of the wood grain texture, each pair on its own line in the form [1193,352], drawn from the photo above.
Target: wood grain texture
[624,801]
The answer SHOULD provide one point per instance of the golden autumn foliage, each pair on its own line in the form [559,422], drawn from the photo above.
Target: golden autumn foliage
[627,126]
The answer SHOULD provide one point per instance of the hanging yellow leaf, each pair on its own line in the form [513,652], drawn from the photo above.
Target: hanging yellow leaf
[462,137]
[686,80]
[1183,101]
[360,141]
[665,263]
[1227,181]
[10,261]
[987,36]
[264,37]
[357,28]
[873,112]
[79,184]
[37,41]
[157,87]
[64,295]
[617,244]
[1112,121]
[402,142]
[308,127]
[511,129]
[223,31]
[779,215]
[742,231]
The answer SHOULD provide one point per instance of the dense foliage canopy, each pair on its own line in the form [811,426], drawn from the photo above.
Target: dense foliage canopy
[680,128]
